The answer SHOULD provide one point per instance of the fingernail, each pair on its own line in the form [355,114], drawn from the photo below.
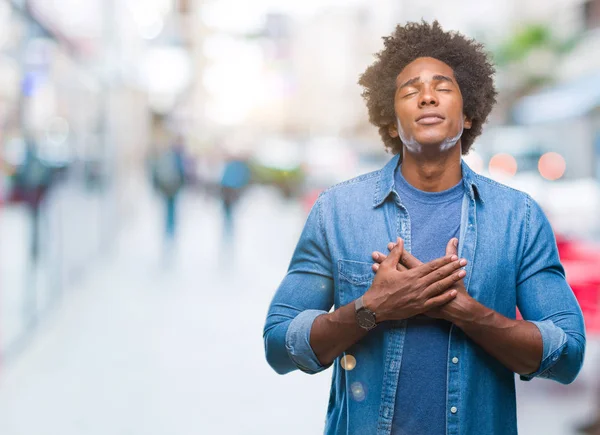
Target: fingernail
[454,258]
[453,293]
[455,243]
[463,262]
[462,273]
[390,246]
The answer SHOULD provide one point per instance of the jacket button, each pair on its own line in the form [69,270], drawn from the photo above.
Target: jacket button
[455,360]
[453,410]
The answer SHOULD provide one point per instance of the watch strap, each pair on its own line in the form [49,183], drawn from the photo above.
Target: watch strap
[359,304]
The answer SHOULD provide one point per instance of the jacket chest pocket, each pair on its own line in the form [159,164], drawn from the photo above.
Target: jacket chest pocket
[355,278]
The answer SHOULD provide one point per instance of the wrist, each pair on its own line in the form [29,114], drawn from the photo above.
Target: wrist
[473,314]
[370,305]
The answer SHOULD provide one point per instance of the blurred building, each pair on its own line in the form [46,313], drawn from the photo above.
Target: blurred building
[80,82]
[566,110]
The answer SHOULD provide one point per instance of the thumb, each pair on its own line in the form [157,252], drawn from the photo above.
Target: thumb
[452,247]
[394,258]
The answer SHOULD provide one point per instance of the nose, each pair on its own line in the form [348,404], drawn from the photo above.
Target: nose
[428,97]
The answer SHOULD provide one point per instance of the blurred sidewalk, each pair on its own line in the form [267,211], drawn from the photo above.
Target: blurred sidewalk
[70,234]
[145,347]
[149,348]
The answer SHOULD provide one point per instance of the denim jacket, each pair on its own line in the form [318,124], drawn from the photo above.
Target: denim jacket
[513,263]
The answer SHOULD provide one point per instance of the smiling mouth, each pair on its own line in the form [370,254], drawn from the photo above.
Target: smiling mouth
[430,120]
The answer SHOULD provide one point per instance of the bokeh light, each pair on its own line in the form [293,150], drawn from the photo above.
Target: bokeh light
[57,130]
[357,390]
[552,166]
[475,161]
[502,165]
[348,362]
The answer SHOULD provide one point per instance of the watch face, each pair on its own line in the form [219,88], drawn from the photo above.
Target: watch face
[365,319]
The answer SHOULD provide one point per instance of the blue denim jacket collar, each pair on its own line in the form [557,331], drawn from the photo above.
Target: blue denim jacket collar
[385,184]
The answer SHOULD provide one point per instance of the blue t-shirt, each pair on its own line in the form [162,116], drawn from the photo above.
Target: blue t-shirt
[421,395]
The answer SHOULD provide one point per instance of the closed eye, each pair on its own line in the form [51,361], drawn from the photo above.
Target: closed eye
[445,90]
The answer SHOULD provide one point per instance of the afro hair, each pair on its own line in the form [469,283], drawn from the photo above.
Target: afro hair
[472,69]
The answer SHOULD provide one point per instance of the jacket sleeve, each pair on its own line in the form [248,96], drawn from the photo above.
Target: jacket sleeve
[545,299]
[305,293]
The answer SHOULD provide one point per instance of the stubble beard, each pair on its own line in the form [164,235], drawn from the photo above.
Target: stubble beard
[415,147]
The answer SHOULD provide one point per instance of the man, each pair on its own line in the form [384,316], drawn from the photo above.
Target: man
[168,174]
[428,344]
[235,179]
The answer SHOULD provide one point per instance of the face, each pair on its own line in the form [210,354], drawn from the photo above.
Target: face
[429,107]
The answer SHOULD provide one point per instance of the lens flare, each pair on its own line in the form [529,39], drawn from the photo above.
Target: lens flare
[503,165]
[358,391]
[552,166]
[348,362]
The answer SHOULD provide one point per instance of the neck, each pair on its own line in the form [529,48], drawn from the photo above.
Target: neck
[432,173]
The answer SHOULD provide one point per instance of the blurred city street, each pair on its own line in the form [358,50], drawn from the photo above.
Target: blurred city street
[148,347]
[158,159]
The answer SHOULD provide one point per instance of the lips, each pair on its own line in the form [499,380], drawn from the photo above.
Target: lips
[429,118]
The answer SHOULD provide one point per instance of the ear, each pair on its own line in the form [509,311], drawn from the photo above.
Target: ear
[392,130]
[468,122]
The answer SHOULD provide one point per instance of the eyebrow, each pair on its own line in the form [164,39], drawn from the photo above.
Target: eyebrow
[437,77]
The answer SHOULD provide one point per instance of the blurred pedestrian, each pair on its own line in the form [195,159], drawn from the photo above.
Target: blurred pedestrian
[235,179]
[31,182]
[168,174]
[424,338]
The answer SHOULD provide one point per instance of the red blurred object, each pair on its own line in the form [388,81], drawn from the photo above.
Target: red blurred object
[581,261]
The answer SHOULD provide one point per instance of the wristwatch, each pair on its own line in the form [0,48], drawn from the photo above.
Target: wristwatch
[364,317]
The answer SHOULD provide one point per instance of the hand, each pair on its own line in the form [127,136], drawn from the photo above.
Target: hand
[457,307]
[462,306]
[399,293]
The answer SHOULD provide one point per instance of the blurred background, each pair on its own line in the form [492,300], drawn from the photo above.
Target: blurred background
[158,160]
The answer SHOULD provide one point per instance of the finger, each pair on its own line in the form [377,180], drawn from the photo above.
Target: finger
[440,300]
[432,266]
[392,245]
[443,271]
[394,258]
[400,267]
[444,284]
[375,267]
[452,247]
[378,257]
[409,260]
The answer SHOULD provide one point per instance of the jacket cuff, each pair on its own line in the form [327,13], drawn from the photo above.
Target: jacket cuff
[297,342]
[555,341]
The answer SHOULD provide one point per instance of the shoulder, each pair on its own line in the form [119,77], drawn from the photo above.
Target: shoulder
[514,204]
[359,182]
[497,192]
[357,189]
